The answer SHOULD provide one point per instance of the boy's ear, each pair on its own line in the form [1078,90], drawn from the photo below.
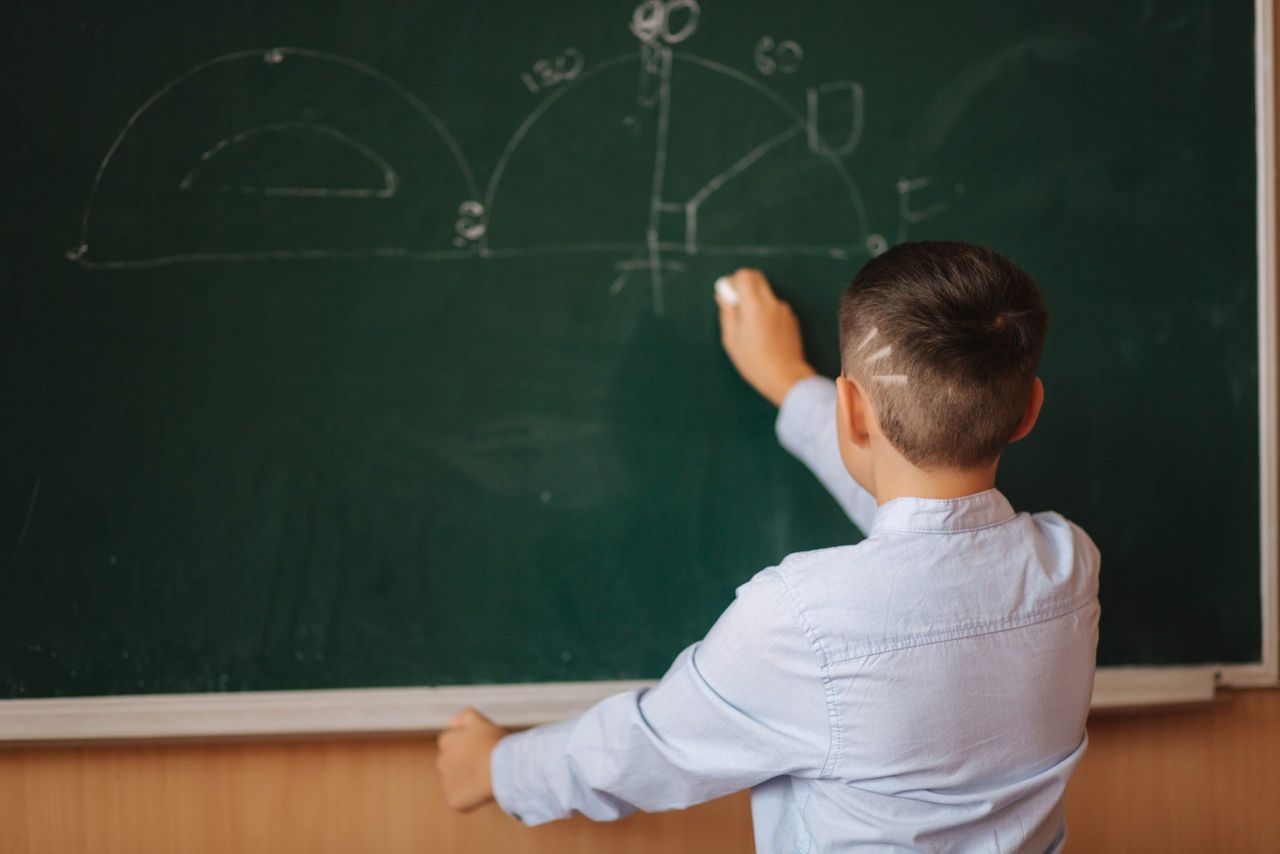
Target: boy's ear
[851,412]
[1033,411]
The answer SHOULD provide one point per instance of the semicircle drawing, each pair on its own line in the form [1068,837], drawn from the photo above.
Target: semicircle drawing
[245,182]
[337,134]
[653,180]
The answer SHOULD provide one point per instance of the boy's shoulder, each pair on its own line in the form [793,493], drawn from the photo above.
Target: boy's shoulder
[798,568]
[1033,566]
[1050,520]
[799,576]
[1050,536]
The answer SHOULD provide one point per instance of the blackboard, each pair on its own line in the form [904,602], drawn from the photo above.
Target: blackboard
[372,345]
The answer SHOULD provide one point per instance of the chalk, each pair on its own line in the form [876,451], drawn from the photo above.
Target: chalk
[726,292]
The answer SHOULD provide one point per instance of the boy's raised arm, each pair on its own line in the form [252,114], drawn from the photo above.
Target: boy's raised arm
[806,427]
[761,336]
[742,706]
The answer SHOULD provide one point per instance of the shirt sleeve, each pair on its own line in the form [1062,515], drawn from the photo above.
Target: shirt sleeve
[806,427]
[745,704]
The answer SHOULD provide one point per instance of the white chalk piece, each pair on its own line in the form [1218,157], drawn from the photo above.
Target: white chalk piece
[726,292]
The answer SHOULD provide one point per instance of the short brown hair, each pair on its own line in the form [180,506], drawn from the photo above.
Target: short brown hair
[945,338]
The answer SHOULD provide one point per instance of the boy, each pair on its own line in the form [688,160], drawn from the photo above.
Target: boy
[925,689]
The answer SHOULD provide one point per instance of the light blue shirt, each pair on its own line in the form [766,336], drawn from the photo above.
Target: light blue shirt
[923,690]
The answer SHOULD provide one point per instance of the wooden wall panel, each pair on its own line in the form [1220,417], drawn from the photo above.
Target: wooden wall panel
[1192,780]
[341,796]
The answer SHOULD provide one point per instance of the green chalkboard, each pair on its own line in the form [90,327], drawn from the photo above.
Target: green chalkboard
[372,344]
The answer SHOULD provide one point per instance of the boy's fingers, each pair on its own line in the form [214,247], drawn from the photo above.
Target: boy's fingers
[728,322]
[462,718]
[725,300]
[745,282]
[722,300]
[753,288]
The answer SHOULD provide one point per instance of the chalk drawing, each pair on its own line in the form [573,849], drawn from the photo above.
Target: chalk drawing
[389,177]
[500,167]
[738,167]
[777,57]
[659,172]
[549,72]
[651,21]
[26,520]
[274,57]
[907,215]
[652,24]
[470,224]
[384,252]
[815,97]
[829,126]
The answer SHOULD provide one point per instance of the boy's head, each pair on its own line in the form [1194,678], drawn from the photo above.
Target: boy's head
[944,339]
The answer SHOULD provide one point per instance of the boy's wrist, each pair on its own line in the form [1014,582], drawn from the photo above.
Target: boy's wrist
[786,379]
[465,759]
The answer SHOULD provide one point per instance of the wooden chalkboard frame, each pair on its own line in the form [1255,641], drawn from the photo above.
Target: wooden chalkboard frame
[398,710]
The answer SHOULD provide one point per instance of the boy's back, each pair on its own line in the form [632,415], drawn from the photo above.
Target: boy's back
[956,646]
[925,689]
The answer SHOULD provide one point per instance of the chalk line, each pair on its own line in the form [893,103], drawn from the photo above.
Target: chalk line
[391,180]
[26,522]
[855,198]
[741,164]
[388,252]
[659,175]
[516,138]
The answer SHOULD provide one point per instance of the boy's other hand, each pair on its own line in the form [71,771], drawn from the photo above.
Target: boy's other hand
[463,759]
[762,337]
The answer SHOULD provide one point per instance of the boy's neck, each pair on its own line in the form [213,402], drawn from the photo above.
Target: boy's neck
[899,479]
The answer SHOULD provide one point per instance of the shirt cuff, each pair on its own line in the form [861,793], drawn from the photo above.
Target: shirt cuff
[515,767]
[810,398]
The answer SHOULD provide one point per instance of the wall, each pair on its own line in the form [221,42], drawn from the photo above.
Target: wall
[1197,779]
[1193,780]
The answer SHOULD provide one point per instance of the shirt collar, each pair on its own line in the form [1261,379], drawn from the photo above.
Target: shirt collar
[943,515]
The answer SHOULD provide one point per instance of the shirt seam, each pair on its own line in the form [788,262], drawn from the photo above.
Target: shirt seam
[973,498]
[835,736]
[969,630]
[891,529]
[970,497]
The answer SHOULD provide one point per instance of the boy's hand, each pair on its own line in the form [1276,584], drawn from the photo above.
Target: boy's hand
[463,759]
[762,337]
